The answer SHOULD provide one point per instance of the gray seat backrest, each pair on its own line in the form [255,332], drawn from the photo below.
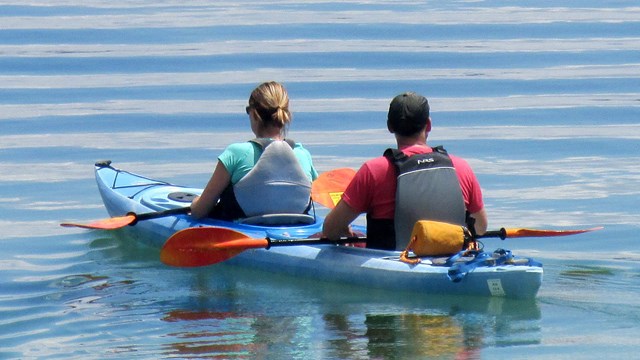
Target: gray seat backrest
[276,184]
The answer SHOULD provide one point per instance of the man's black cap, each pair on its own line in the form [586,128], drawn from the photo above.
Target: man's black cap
[408,113]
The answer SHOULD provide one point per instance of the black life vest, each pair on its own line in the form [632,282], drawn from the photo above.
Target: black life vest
[427,189]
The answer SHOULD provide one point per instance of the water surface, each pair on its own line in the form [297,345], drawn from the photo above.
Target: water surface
[541,99]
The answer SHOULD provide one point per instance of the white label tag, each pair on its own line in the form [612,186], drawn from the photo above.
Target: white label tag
[495,287]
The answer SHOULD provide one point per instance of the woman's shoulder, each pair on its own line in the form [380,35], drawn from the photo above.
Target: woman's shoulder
[240,146]
[235,152]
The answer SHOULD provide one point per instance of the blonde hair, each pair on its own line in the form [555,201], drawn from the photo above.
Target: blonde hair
[271,103]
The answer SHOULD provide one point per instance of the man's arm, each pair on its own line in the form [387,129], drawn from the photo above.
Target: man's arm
[336,224]
[481,222]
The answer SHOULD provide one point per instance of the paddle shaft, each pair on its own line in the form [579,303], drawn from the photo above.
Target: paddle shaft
[312,241]
[159,214]
[502,234]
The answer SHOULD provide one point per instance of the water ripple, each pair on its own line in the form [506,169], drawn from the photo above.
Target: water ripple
[264,13]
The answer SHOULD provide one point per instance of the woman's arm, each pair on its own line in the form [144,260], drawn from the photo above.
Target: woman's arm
[202,205]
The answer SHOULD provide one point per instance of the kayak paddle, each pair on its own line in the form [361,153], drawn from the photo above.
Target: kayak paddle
[327,189]
[201,246]
[117,222]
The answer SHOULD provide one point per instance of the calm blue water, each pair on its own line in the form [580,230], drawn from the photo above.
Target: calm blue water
[542,99]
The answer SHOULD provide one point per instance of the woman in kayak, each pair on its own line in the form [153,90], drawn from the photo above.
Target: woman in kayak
[266,175]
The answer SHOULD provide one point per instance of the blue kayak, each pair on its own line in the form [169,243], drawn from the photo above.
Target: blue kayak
[481,273]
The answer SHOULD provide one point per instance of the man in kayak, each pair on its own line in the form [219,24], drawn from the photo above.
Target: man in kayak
[410,183]
[267,175]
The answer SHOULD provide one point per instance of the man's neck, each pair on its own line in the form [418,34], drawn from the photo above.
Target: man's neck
[406,141]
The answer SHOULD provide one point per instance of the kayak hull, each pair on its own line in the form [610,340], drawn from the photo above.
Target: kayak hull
[124,192]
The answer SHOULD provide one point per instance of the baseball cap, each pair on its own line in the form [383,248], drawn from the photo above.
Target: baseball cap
[408,113]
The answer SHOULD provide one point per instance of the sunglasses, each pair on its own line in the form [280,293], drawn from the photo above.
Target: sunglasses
[248,109]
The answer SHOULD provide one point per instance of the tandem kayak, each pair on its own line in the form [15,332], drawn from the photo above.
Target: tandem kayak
[482,274]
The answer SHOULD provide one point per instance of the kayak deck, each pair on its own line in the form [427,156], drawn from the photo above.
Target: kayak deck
[486,274]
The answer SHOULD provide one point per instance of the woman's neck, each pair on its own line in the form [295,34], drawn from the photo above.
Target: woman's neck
[275,135]
[269,132]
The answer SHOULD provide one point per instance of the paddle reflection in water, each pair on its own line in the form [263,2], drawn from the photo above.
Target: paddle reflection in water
[231,311]
[211,332]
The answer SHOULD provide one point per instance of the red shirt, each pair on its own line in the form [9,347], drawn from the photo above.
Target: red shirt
[373,189]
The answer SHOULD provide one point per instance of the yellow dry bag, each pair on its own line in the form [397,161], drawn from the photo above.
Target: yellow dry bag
[434,238]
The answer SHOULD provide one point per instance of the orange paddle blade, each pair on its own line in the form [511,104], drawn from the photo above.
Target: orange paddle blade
[514,233]
[327,189]
[206,246]
[105,224]
[129,219]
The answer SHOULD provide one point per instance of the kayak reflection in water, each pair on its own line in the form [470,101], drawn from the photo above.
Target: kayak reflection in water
[266,175]
[428,183]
